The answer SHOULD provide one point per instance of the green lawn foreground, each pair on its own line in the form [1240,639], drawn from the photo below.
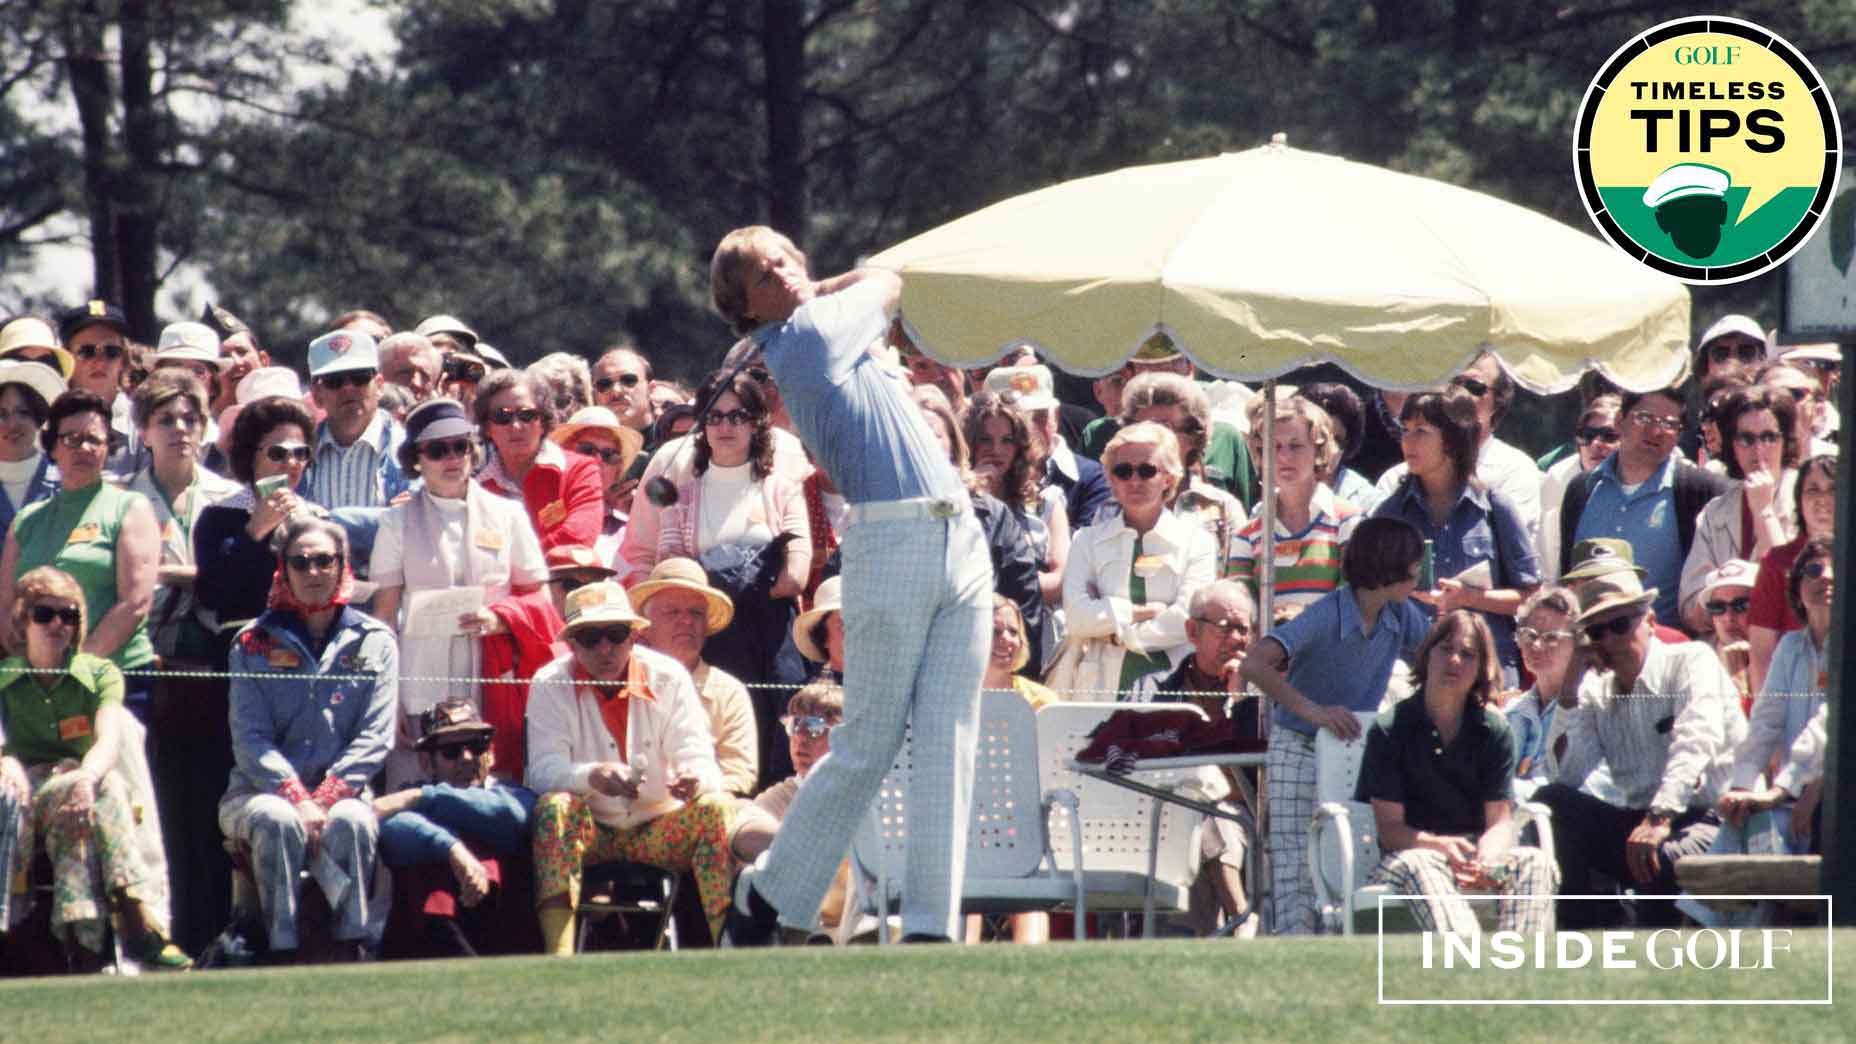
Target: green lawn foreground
[1273,989]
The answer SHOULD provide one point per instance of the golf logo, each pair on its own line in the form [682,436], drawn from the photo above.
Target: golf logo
[1708,149]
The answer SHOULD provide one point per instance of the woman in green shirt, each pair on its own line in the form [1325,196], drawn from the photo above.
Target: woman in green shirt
[104,537]
[61,711]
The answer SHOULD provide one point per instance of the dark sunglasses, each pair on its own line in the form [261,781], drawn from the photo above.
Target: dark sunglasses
[350,379]
[1746,353]
[444,449]
[604,453]
[1471,385]
[87,352]
[1124,472]
[1815,570]
[44,614]
[505,417]
[454,751]
[1594,433]
[590,637]
[1620,625]
[1749,439]
[736,416]
[623,380]
[319,560]
[279,452]
[1737,606]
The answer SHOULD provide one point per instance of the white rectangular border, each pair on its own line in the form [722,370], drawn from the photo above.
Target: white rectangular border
[1829,954]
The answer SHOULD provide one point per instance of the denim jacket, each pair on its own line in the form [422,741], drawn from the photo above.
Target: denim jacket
[45,482]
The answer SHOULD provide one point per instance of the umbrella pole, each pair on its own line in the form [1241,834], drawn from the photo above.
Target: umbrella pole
[1266,611]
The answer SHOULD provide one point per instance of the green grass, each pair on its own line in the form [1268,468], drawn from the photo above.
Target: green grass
[1283,990]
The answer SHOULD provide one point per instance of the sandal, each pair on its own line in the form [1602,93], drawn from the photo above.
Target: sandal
[155,953]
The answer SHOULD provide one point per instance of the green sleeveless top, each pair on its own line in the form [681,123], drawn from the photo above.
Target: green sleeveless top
[75,530]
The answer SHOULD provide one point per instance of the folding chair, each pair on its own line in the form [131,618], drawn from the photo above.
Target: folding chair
[622,888]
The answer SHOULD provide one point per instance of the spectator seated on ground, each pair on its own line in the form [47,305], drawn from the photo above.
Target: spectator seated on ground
[619,749]
[458,843]
[684,611]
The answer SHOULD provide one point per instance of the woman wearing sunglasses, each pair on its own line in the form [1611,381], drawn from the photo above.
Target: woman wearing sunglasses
[451,535]
[561,490]
[1595,439]
[62,780]
[1763,444]
[1771,615]
[232,537]
[1131,573]
[314,686]
[104,536]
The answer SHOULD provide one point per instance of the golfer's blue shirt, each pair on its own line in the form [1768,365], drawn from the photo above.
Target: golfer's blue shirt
[858,420]
[1336,664]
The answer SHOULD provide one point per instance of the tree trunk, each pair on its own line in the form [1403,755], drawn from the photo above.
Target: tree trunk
[783,45]
[90,89]
[138,216]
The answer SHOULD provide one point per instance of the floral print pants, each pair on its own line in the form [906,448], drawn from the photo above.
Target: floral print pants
[93,856]
[693,838]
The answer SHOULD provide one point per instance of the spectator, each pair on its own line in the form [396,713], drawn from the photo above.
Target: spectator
[928,372]
[521,634]
[1814,505]
[665,394]
[1547,646]
[1716,392]
[452,534]
[818,632]
[1808,394]
[1594,440]
[621,754]
[1439,771]
[1079,479]
[458,843]
[239,354]
[1227,461]
[594,433]
[27,475]
[464,365]
[27,338]
[1007,457]
[1333,660]
[569,381]
[1347,427]
[1823,362]
[1312,523]
[622,383]
[354,466]
[364,320]
[64,737]
[1010,651]
[1483,555]
[1734,341]
[96,359]
[232,538]
[410,361]
[560,490]
[1131,575]
[1644,494]
[104,536]
[1180,405]
[1753,516]
[683,611]
[1726,596]
[313,695]
[1663,718]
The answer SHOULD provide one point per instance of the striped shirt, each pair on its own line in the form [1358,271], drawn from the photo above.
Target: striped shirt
[348,476]
[1308,562]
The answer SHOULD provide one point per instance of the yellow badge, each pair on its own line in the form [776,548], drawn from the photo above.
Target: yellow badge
[85,533]
[491,540]
[551,515]
[284,658]
[1149,565]
[73,728]
[169,531]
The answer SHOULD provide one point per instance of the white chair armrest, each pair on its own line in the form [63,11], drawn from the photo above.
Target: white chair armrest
[1541,816]
[1331,815]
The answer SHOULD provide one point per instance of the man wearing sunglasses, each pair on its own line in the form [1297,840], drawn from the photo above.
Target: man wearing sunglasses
[622,384]
[1666,720]
[95,336]
[354,467]
[596,433]
[457,844]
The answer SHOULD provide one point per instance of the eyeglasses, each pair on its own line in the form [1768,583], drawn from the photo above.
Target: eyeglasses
[1594,433]
[1749,439]
[1651,420]
[590,637]
[178,420]
[1815,570]
[349,379]
[1737,607]
[278,452]
[605,453]
[1229,628]
[87,352]
[1529,636]
[1746,353]
[45,614]
[736,416]
[1618,625]
[505,417]
[1125,472]
[444,449]
[1471,385]
[79,441]
[454,751]
[813,725]
[319,561]
[623,380]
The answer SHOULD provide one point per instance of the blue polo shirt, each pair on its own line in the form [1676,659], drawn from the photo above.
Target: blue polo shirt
[1646,519]
[857,419]
[1334,663]
[1483,527]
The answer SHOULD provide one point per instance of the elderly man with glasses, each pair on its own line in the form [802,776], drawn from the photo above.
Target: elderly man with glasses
[354,467]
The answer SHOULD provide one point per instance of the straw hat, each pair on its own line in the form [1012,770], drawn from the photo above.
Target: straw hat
[686,574]
[28,332]
[601,603]
[828,600]
[599,418]
[1615,590]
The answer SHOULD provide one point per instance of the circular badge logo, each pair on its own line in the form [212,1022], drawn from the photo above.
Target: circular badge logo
[1708,149]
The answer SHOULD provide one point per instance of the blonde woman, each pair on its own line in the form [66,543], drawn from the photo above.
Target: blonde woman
[1312,524]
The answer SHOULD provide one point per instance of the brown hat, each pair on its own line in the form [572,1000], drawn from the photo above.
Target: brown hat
[686,574]
[1615,590]
[1600,556]
[450,719]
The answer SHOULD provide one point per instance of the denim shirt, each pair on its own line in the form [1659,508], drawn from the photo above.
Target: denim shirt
[45,482]
[362,522]
[1483,527]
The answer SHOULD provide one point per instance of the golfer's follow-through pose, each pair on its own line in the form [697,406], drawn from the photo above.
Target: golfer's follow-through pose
[917,589]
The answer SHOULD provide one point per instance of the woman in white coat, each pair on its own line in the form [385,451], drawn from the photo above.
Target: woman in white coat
[1761,444]
[1131,573]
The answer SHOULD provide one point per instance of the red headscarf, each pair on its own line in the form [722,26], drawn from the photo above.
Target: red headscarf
[281,597]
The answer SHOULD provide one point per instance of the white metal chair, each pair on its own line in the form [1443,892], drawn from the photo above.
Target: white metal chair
[1343,839]
[1010,867]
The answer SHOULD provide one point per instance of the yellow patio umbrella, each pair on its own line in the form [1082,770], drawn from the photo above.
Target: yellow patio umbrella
[1259,262]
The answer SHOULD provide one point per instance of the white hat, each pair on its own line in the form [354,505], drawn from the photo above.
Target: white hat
[447,324]
[1025,387]
[1814,353]
[827,600]
[265,382]
[1686,179]
[1745,326]
[188,342]
[28,332]
[1735,572]
[341,352]
[35,375]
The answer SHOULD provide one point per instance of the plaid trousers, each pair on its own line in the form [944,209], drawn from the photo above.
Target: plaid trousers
[1426,872]
[1290,776]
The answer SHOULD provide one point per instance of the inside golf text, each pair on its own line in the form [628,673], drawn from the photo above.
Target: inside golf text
[1733,949]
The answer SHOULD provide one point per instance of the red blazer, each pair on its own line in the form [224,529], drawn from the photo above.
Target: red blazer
[565,497]
[530,625]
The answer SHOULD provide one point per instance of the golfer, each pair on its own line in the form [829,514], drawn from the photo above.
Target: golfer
[917,590]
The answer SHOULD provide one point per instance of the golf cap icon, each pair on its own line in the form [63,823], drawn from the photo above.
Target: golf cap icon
[1690,200]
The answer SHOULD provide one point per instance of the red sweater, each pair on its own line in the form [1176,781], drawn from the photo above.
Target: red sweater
[530,625]
[566,501]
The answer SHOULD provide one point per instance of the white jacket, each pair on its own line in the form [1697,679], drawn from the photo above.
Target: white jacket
[1717,534]
[1183,558]
[665,735]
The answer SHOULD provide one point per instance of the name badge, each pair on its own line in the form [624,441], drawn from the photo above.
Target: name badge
[169,531]
[1149,565]
[85,533]
[489,540]
[547,516]
[73,728]
[284,658]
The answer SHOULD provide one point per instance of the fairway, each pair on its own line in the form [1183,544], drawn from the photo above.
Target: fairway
[1291,990]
